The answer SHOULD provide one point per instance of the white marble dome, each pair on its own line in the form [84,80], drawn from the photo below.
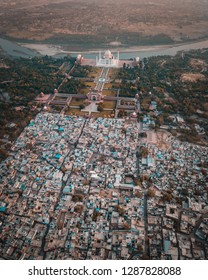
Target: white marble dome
[108,54]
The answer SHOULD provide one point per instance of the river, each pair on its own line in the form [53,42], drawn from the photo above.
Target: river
[31,50]
[16,50]
[156,50]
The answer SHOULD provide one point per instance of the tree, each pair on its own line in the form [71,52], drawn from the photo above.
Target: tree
[138,194]
[95,215]
[167,197]
[63,169]
[3,153]
[161,119]
[76,170]
[81,106]
[137,182]
[144,151]
[77,198]
[120,210]
[100,108]
[78,208]
[85,182]
[122,113]
[151,193]
[139,247]
[126,226]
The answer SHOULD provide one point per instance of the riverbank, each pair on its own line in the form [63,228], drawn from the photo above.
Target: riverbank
[14,49]
[25,49]
[125,53]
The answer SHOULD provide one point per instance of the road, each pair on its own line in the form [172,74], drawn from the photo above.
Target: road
[146,248]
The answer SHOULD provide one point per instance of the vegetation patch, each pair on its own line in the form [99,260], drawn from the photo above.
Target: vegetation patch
[192,78]
[109,104]
[76,102]
[75,112]
[103,114]
[109,92]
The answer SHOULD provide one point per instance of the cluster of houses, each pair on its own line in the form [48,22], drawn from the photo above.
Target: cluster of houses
[178,212]
[77,188]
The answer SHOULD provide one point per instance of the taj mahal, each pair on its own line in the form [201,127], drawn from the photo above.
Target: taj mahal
[107,59]
[98,93]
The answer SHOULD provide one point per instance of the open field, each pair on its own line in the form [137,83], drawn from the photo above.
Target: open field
[59,98]
[113,73]
[163,139]
[191,77]
[89,84]
[83,91]
[76,102]
[95,72]
[109,104]
[76,112]
[108,85]
[104,114]
[56,108]
[91,24]
[108,92]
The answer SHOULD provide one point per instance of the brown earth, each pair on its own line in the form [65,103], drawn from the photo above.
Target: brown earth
[94,22]
[192,78]
[163,141]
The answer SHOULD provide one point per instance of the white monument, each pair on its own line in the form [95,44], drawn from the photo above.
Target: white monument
[107,60]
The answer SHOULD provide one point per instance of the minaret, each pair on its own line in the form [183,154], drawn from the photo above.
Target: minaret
[117,62]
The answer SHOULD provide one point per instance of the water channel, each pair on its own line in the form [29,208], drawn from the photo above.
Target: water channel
[30,50]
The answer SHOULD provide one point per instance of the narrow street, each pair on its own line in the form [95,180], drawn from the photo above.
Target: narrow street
[146,250]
